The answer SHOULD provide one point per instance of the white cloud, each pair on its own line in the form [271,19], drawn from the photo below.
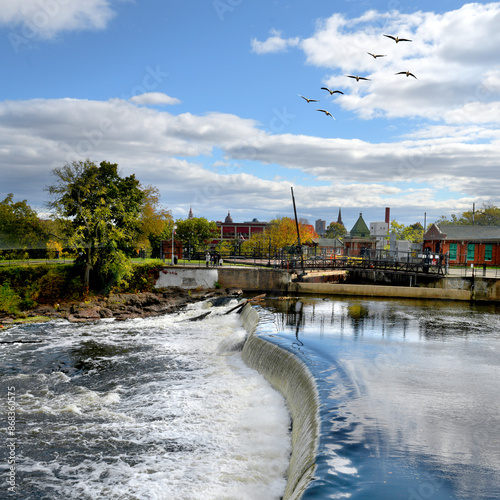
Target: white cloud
[454,56]
[46,18]
[275,43]
[154,99]
[430,169]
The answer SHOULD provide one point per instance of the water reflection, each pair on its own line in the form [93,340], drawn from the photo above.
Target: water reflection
[410,406]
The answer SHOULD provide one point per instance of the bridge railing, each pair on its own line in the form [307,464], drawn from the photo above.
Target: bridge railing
[412,261]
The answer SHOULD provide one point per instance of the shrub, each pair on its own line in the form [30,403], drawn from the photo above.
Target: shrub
[143,277]
[9,300]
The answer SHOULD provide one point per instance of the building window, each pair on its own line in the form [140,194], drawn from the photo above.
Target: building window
[470,251]
[453,251]
[488,252]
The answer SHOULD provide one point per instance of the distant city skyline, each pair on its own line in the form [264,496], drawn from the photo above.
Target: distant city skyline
[313,223]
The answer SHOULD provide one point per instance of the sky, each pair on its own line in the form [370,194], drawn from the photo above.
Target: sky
[202,99]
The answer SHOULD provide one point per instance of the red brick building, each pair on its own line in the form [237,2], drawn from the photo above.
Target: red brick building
[231,231]
[166,249]
[476,245]
[359,241]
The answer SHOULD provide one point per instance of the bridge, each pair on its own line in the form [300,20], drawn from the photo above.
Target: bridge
[423,265]
[402,263]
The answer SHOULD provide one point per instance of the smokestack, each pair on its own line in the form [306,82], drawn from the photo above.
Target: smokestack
[388,215]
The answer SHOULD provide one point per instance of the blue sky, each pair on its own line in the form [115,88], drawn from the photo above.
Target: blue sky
[201,99]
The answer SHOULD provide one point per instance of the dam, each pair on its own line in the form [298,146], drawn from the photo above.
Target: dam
[400,395]
[316,396]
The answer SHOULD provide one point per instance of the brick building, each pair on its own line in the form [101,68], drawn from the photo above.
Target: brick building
[359,242]
[476,245]
[238,231]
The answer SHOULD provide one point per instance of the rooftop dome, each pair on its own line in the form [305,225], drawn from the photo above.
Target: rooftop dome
[228,219]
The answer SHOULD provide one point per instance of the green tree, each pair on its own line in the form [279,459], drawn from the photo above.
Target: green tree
[489,215]
[196,233]
[414,232]
[453,219]
[155,222]
[335,230]
[20,226]
[101,211]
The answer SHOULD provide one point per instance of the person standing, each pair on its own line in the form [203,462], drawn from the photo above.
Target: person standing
[207,259]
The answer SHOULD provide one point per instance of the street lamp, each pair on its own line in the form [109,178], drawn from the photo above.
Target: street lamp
[173,256]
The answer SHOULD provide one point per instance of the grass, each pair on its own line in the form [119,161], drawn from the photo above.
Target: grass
[33,319]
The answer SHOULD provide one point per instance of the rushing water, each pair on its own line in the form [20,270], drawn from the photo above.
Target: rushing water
[410,399]
[161,408]
[165,409]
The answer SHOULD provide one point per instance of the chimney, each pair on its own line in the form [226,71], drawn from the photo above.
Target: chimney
[388,215]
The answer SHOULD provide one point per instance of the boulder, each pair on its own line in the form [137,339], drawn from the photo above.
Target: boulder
[88,313]
[104,312]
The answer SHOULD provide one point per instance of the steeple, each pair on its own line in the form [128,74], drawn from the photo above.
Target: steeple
[190,215]
[339,220]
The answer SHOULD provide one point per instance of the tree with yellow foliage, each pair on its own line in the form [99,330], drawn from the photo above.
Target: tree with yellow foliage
[281,233]
[155,222]
[54,249]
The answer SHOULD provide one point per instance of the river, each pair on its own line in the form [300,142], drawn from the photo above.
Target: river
[154,409]
[165,409]
[409,390]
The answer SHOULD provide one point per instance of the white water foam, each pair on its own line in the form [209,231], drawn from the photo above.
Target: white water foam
[200,424]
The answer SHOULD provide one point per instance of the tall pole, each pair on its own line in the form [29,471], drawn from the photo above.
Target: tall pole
[298,234]
[173,232]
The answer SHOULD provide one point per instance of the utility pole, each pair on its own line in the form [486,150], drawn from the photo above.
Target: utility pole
[298,234]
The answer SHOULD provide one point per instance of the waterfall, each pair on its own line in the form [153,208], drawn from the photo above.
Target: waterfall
[288,375]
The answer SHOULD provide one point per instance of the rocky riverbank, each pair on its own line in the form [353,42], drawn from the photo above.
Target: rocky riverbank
[121,306]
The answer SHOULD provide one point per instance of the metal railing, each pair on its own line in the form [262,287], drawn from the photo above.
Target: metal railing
[395,261]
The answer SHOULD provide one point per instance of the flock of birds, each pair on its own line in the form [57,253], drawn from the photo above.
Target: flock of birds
[358,78]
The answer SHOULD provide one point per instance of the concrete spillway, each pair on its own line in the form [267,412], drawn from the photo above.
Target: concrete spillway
[288,375]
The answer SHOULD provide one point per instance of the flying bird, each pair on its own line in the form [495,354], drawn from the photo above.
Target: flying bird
[308,100]
[377,55]
[327,113]
[357,78]
[407,73]
[397,39]
[332,91]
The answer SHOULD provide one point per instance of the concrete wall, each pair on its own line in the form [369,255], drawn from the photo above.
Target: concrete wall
[184,277]
[291,377]
[255,279]
[251,279]
[380,291]
[451,288]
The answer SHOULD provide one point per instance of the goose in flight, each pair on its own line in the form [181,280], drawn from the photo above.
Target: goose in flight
[327,113]
[332,91]
[407,73]
[397,39]
[377,55]
[357,78]
[308,100]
